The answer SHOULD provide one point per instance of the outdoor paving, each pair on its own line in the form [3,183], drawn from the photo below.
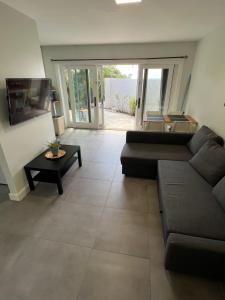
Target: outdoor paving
[118,121]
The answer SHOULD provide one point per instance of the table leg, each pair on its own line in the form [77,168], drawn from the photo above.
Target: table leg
[30,179]
[59,184]
[79,158]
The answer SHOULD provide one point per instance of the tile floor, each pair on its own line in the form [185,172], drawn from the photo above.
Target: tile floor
[101,240]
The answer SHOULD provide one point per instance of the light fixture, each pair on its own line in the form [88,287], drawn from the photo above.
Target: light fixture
[127,1]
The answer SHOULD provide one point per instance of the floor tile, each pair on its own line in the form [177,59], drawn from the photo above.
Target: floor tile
[114,276]
[118,176]
[124,232]
[88,191]
[153,201]
[101,171]
[70,223]
[4,193]
[130,195]
[125,218]
[20,217]
[11,248]
[46,270]
[104,156]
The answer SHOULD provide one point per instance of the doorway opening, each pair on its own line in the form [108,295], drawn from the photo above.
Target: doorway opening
[120,89]
[120,95]
[83,86]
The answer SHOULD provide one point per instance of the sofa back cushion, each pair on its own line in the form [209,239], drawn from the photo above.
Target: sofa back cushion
[209,162]
[203,135]
[219,192]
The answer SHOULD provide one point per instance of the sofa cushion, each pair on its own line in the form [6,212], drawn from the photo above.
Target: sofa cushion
[140,153]
[187,202]
[157,137]
[219,192]
[201,136]
[209,162]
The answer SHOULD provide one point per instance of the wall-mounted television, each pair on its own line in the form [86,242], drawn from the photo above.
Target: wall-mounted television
[27,98]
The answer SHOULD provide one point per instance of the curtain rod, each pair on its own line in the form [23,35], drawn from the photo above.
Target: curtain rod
[122,59]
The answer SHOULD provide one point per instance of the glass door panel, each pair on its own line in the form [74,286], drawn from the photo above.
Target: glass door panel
[82,95]
[100,96]
[154,92]
[84,89]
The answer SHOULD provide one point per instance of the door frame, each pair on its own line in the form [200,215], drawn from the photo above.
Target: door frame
[60,68]
[177,63]
[74,122]
[140,92]
[100,110]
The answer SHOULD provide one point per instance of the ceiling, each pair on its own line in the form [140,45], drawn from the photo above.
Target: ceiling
[102,21]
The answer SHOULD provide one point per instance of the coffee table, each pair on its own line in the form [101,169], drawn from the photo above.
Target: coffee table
[52,171]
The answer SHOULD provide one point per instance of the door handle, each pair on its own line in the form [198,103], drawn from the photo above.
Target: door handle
[138,103]
[95,101]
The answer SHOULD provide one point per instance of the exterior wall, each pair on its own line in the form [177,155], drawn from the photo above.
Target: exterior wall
[118,93]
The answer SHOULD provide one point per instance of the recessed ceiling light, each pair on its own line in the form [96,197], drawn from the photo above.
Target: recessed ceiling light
[127,1]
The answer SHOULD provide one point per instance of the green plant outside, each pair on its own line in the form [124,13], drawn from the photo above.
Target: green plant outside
[110,71]
[132,105]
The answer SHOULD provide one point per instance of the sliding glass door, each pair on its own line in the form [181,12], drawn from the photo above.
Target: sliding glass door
[83,86]
[154,91]
[100,96]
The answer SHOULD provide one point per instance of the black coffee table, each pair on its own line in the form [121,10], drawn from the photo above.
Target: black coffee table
[52,171]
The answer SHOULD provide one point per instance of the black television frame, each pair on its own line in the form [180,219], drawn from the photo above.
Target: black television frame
[9,104]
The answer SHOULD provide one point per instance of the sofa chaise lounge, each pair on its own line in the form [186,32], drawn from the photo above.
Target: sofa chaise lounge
[191,195]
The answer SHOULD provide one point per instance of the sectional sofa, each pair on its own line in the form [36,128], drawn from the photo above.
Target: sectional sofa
[190,170]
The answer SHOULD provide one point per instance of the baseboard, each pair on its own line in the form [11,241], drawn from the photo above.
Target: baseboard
[21,195]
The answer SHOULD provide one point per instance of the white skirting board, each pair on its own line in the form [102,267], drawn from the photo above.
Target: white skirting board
[21,195]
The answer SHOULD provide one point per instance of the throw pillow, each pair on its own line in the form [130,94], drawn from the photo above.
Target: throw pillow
[201,136]
[209,162]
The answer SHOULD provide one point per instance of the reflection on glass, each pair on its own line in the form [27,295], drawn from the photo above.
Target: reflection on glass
[82,94]
[152,97]
[79,86]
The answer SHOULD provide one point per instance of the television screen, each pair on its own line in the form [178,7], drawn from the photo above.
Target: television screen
[27,98]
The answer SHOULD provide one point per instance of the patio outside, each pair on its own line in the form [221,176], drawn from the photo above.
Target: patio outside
[120,84]
[118,121]
[118,98]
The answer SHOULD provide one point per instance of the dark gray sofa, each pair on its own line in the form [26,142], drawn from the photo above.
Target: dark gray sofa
[143,149]
[193,219]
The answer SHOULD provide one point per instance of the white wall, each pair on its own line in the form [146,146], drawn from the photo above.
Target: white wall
[20,56]
[118,92]
[207,90]
[122,51]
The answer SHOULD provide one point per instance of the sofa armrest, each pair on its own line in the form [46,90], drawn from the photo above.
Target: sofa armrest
[158,137]
[195,255]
